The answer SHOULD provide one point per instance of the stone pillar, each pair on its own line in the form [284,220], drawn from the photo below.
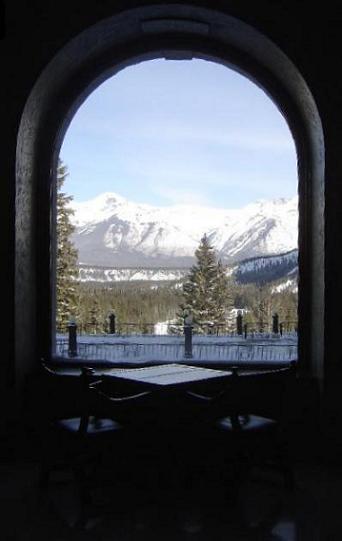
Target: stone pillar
[72,330]
[112,323]
[188,337]
[275,323]
[239,323]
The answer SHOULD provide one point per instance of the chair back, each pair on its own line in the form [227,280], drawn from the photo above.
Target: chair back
[261,392]
[62,395]
[107,399]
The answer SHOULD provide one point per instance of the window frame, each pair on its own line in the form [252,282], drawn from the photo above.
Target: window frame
[160,31]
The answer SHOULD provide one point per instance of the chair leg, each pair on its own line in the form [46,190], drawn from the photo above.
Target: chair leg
[286,465]
[280,464]
[45,469]
[43,479]
[240,466]
[288,474]
[84,495]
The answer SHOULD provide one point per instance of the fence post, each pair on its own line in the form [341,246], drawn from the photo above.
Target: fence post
[275,323]
[239,323]
[245,329]
[72,330]
[112,323]
[188,337]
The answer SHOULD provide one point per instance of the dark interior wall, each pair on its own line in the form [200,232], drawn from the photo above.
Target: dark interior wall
[34,31]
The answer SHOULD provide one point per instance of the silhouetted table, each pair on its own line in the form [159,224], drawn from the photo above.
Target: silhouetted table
[168,375]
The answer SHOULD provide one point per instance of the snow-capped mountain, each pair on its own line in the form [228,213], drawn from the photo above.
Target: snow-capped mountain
[112,231]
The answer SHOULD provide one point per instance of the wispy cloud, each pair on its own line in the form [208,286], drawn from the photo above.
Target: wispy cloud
[179,196]
[169,131]
[175,133]
[182,132]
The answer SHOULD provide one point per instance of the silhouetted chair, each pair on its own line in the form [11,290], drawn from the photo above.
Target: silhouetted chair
[80,442]
[250,419]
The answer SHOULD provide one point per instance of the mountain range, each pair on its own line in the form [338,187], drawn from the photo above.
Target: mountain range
[111,231]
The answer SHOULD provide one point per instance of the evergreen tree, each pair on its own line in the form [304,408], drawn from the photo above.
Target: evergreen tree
[206,291]
[67,256]
[262,308]
[222,296]
[96,321]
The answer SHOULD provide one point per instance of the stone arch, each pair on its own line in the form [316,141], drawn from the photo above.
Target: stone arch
[177,32]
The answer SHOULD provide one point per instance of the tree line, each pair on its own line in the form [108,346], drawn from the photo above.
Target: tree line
[142,305]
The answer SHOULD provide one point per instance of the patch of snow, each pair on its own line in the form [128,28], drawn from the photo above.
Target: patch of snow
[99,274]
[289,284]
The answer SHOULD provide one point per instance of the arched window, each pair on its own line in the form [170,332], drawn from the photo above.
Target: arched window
[158,156]
[177,32]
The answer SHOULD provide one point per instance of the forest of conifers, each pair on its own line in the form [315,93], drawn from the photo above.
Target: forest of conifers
[146,303]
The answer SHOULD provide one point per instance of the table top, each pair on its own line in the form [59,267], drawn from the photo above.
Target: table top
[168,374]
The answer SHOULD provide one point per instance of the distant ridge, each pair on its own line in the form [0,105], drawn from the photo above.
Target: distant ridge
[268,268]
[281,268]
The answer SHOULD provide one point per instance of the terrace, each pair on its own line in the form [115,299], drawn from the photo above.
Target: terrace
[277,343]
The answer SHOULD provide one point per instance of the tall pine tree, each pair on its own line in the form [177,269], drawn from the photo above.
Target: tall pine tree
[95,320]
[67,256]
[206,292]
[222,295]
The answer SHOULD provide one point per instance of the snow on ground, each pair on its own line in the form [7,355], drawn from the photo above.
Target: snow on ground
[162,328]
[136,348]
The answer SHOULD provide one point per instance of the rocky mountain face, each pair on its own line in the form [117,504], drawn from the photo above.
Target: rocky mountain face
[114,232]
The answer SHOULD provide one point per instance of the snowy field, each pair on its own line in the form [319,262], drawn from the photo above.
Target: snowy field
[143,348]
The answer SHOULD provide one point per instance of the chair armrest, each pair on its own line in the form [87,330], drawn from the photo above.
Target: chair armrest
[205,398]
[118,400]
[94,384]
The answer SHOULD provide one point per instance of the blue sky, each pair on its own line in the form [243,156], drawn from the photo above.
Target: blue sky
[178,132]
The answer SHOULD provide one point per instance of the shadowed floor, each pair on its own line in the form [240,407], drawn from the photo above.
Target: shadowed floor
[170,506]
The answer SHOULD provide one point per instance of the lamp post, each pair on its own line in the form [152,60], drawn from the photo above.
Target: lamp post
[72,330]
[275,323]
[112,323]
[188,336]
[239,323]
